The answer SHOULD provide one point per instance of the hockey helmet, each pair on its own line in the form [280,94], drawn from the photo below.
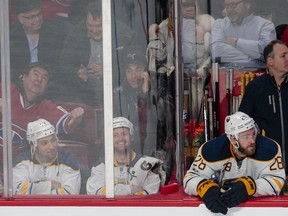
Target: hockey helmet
[122,122]
[237,123]
[39,129]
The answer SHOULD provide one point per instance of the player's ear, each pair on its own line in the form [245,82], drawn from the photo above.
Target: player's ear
[232,139]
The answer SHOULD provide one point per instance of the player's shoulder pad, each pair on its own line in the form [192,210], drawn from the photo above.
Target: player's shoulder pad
[216,149]
[68,159]
[135,159]
[23,156]
[266,148]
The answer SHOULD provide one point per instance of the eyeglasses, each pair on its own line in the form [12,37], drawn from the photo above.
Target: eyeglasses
[33,17]
[232,5]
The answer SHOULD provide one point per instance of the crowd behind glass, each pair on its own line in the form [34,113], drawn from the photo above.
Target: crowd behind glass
[56,67]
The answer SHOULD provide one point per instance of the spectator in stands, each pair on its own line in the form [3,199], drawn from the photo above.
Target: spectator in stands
[134,174]
[78,11]
[240,37]
[237,165]
[28,103]
[51,9]
[33,39]
[266,98]
[160,53]
[133,101]
[82,58]
[195,47]
[45,169]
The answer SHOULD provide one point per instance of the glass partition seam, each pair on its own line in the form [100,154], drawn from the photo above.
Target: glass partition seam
[6,103]
[108,95]
[179,95]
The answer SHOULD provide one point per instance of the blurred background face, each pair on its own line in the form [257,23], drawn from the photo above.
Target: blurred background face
[94,27]
[122,139]
[236,10]
[46,150]
[134,75]
[35,82]
[188,9]
[31,20]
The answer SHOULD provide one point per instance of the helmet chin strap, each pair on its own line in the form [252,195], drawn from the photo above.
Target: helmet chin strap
[236,148]
[32,149]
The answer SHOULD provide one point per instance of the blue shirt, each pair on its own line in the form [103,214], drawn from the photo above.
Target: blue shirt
[33,48]
[253,34]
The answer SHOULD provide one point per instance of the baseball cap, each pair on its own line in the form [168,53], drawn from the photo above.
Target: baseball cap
[135,56]
[22,6]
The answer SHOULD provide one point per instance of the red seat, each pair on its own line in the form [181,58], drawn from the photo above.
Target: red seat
[78,149]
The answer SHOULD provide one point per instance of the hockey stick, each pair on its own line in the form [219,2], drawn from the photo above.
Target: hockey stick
[216,100]
[205,103]
[229,80]
[210,108]
[205,87]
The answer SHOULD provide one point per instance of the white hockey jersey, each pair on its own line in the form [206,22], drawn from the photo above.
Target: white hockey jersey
[216,159]
[30,177]
[140,172]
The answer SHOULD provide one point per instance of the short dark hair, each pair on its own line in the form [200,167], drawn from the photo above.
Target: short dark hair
[94,8]
[22,6]
[36,64]
[269,49]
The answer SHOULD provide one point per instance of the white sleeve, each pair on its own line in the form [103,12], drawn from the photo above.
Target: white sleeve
[22,182]
[122,189]
[151,184]
[272,177]
[96,182]
[200,169]
[70,181]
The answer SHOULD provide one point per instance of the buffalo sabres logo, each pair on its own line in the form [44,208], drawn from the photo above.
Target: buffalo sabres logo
[243,117]
[146,165]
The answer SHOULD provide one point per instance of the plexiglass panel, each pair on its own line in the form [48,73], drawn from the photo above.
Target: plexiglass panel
[57,91]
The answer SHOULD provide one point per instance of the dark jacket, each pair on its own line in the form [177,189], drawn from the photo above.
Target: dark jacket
[139,109]
[52,35]
[77,50]
[269,108]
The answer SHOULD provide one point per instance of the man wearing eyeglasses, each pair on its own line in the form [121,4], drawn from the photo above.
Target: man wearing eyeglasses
[240,37]
[236,166]
[33,39]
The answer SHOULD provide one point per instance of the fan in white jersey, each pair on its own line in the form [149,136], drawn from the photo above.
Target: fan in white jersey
[236,166]
[45,169]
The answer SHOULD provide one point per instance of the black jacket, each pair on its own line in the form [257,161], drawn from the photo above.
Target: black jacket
[77,51]
[52,35]
[269,108]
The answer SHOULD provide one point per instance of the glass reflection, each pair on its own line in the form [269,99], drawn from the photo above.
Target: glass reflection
[241,36]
